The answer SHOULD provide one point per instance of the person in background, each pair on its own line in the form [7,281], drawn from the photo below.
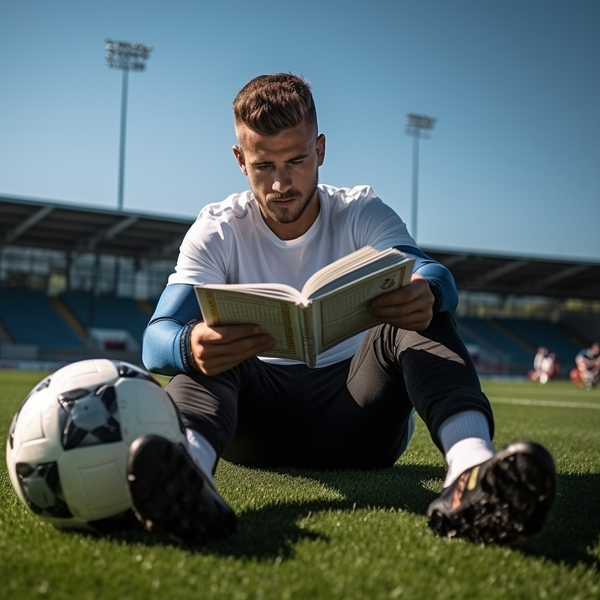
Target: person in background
[587,371]
[550,367]
[537,371]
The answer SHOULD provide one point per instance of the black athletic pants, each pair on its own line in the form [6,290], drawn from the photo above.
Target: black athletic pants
[353,414]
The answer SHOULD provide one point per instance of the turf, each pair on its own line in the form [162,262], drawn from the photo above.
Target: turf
[319,534]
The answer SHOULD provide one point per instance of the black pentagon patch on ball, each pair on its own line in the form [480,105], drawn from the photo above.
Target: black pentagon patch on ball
[43,384]
[42,490]
[89,418]
[129,370]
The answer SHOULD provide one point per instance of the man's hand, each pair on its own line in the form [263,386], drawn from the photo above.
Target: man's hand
[410,307]
[217,349]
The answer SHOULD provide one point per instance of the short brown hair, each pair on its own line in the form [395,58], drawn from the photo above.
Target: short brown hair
[268,104]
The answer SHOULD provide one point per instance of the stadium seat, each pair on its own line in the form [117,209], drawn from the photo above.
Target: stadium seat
[108,312]
[31,319]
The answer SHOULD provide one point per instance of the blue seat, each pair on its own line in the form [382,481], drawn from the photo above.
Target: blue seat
[108,312]
[548,334]
[484,333]
[31,319]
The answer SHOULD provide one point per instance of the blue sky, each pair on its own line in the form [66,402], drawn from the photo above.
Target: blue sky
[512,166]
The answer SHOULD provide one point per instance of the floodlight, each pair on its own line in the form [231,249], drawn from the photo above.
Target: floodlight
[419,122]
[127,56]
[416,126]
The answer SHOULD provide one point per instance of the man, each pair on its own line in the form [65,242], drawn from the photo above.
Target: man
[538,359]
[587,372]
[356,409]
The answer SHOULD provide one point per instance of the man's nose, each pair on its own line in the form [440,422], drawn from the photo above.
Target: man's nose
[282,181]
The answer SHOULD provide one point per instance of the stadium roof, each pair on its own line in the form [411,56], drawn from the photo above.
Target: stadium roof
[66,227]
[521,276]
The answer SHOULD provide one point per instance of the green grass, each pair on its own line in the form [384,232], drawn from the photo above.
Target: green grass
[330,535]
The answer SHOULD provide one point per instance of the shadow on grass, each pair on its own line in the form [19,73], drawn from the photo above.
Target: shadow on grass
[572,530]
[273,530]
[573,527]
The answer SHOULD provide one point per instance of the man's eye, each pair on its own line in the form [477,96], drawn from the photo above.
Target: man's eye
[262,167]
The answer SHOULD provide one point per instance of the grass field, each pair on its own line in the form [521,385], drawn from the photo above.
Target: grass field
[330,535]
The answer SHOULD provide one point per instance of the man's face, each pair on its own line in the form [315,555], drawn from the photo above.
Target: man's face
[283,173]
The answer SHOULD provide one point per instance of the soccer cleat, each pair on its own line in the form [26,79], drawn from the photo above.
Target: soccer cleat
[170,495]
[500,500]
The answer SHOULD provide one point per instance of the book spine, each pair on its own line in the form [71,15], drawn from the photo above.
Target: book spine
[308,335]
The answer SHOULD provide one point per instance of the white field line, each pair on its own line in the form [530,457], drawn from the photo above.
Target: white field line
[553,403]
[572,392]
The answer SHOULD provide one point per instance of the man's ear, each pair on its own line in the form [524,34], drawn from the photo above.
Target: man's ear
[239,157]
[320,149]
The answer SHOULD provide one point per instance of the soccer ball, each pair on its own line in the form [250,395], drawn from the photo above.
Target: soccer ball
[68,444]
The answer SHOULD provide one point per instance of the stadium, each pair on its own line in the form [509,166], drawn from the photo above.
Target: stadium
[503,136]
[79,282]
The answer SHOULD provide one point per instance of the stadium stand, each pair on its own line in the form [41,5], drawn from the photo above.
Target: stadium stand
[108,312]
[496,351]
[30,318]
[537,333]
[512,342]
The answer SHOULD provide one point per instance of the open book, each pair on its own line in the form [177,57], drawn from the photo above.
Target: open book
[330,308]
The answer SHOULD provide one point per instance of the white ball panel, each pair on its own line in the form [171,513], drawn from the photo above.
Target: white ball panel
[93,480]
[30,418]
[86,374]
[12,472]
[35,438]
[146,410]
[88,413]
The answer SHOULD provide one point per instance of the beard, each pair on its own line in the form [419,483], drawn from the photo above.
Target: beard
[284,214]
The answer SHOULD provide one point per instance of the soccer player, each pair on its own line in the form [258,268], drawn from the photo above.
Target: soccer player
[588,367]
[538,359]
[356,408]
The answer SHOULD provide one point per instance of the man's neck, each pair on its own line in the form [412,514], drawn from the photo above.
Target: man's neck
[292,231]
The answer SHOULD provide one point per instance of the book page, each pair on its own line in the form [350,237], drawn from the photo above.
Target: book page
[344,312]
[350,268]
[268,290]
[278,318]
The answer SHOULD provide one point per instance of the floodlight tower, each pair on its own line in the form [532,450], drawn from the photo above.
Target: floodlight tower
[126,56]
[417,126]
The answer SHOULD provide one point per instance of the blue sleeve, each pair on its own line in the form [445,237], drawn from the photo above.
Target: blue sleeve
[439,277]
[165,346]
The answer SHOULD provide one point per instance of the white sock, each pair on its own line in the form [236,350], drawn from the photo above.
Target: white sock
[465,438]
[202,452]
